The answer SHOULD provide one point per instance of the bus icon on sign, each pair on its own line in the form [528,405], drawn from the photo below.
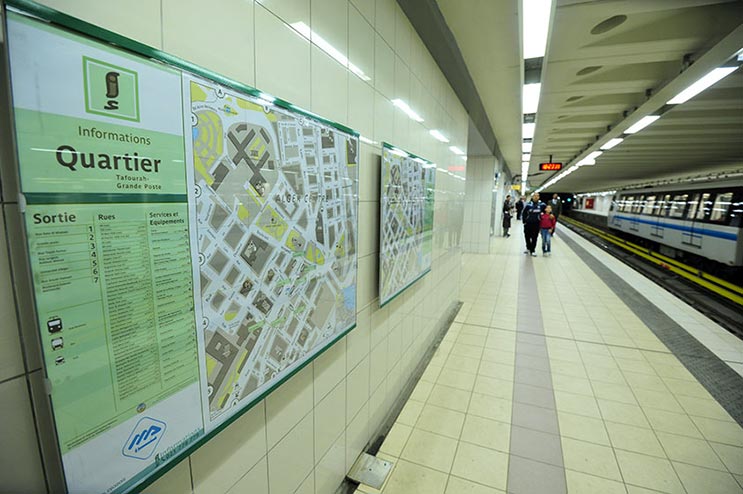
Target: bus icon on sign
[144,438]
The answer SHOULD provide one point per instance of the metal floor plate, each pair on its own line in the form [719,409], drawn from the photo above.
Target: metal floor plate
[370,470]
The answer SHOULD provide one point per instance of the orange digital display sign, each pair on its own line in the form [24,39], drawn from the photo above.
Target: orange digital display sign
[550,166]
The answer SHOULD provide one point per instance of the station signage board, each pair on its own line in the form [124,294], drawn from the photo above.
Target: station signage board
[550,167]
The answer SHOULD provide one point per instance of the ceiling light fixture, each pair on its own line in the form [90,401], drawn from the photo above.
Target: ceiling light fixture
[711,78]
[526,147]
[527,130]
[331,50]
[642,123]
[535,26]
[530,97]
[406,109]
[438,135]
[611,143]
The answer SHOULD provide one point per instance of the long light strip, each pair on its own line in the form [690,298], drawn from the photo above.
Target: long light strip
[536,18]
[527,130]
[331,50]
[611,143]
[711,78]
[438,135]
[642,123]
[531,97]
[526,147]
[406,109]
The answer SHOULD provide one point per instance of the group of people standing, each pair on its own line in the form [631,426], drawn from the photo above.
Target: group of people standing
[537,216]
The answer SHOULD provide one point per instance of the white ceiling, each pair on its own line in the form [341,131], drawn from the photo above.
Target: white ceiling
[644,52]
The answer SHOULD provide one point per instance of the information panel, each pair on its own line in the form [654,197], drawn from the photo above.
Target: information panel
[190,245]
[406,220]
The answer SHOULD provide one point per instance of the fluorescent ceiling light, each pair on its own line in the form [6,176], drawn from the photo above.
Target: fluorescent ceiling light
[594,155]
[611,143]
[535,26]
[366,140]
[438,135]
[525,157]
[527,130]
[531,97]
[702,84]
[526,147]
[456,150]
[331,50]
[524,163]
[644,122]
[406,109]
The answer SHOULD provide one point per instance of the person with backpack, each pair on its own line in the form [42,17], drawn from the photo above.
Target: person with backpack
[532,215]
[547,224]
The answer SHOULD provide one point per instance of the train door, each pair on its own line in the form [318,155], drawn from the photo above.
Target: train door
[637,206]
[619,207]
[660,212]
[698,206]
[652,203]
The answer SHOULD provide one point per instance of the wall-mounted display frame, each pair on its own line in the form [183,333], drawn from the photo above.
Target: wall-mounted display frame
[407,189]
[192,243]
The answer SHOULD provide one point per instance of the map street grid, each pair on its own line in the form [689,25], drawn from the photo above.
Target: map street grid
[276,208]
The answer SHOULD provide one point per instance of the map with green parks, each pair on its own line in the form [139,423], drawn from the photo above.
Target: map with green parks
[406,220]
[276,207]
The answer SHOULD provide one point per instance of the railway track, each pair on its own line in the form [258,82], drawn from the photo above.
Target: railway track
[717,299]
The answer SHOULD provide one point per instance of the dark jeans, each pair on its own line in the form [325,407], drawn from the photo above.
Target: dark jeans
[531,232]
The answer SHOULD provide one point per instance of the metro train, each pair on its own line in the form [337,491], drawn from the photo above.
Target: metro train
[694,221]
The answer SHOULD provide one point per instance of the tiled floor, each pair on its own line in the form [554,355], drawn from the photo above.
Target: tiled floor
[548,383]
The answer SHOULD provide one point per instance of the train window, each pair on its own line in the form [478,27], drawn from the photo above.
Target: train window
[678,206]
[705,206]
[693,206]
[638,204]
[665,205]
[721,207]
[736,210]
[627,204]
[649,205]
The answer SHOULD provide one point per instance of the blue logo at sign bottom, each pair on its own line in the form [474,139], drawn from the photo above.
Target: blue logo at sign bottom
[144,438]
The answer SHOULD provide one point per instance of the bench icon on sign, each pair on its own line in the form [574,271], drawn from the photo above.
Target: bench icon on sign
[144,438]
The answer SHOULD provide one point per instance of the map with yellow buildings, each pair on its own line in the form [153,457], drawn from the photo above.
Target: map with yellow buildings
[276,209]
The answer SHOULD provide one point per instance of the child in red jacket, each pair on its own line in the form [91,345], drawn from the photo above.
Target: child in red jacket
[547,224]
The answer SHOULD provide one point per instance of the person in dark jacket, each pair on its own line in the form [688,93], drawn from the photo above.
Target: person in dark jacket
[519,208]
[507,211]
[556,205]
[532,217]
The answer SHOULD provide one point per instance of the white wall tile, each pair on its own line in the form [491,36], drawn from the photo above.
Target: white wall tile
[385,20]
[369,231]
[222,461]
[357,389]
[176,481]
[383,119]
[360,106]
[11,358]
[329,369]
[378,365]
[136,19]
[366,281]
[358,340]
[290,11]
[366,7]
[403,34]
[286,406]
[330,22]
[20,465]
[282,59]
[370,163]
[331,470]
[227,49]
[291,460]
[253,482]
[330,419]
[329,87]
[361,42]
[384,67]
[357,435]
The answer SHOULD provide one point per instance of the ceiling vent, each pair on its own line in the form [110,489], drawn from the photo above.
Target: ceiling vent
[608,24]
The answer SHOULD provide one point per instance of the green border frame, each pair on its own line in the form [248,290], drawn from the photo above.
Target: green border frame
[87,90]
[386,145]
[46,14]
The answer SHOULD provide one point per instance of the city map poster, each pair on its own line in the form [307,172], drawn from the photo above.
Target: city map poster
[406,220]
[103,177]
[275,212]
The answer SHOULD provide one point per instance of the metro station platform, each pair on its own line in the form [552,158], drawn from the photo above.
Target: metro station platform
[571,373]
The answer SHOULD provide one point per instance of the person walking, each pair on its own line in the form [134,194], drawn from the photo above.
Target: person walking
[519,208]
[532,217]
[547,222]
[556,205]
[507,209]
